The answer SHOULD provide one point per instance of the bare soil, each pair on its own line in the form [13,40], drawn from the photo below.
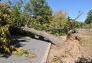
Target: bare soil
[77,48]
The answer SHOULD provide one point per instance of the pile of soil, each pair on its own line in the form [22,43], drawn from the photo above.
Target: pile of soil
[71,51]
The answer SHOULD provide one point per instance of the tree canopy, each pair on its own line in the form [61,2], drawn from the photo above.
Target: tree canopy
[89,17]
[35,14]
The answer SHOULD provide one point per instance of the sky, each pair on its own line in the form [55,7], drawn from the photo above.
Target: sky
[72,7]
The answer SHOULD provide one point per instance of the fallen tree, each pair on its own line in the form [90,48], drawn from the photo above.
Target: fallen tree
[43,34]
[53,39]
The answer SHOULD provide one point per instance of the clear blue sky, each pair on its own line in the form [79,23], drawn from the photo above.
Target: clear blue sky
[72,7]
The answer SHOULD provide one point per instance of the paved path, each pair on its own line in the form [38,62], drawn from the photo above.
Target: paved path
[40,48]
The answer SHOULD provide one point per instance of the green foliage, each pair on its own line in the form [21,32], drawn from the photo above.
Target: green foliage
[89,17]
[22,52]
[19,19]
[35,14]
[39,10]
[87,26]
[5,16]
[18,14]
[40,13]
[59,24]
[72,24]
[4,40]
[10,16]
[5,22]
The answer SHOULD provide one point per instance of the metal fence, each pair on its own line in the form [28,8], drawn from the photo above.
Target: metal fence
[84,29]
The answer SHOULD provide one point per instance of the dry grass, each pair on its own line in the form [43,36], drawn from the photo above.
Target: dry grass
[86,38]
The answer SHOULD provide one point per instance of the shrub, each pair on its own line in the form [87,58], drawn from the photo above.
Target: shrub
[5,22]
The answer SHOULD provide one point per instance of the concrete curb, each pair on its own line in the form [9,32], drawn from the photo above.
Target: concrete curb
[46,54]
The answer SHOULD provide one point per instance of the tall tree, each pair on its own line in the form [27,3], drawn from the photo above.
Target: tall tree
[18,13]
[89,17]
[59,15]
[40,10]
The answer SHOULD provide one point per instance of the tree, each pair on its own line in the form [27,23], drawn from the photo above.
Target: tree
[40,10]
[58,23]
[19,15]
[53,39]
[5,23]
[12,16]
[59,15]
[89,18]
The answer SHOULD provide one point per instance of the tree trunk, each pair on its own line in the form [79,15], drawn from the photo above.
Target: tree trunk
[53,39]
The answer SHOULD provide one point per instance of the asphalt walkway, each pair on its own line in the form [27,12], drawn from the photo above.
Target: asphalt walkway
[38,47]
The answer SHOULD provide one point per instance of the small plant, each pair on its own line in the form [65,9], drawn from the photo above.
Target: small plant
[22,52]
[64,55]
[55,59]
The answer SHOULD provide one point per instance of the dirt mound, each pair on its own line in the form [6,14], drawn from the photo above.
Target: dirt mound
[71,51]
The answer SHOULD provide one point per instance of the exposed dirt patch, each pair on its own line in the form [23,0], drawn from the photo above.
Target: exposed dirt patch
[71,51]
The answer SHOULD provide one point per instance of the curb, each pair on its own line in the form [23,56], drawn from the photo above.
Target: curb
[46,54]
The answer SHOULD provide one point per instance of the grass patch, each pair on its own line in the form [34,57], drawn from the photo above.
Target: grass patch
[86,38]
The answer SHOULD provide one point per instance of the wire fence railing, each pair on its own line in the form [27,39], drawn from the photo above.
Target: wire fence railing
[87,29]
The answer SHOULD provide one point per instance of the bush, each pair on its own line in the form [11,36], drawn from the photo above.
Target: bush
[5,22]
